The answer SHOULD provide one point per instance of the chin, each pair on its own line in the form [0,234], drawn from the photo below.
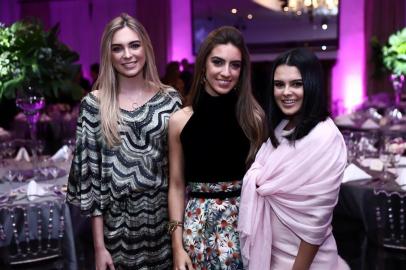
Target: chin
[130,74]
[223,91]
[289,113]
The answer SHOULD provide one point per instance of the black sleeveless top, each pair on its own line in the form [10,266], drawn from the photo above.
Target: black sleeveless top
[214,145]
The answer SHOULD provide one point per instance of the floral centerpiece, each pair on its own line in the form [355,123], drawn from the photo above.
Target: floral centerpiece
[397,146]
[394,53]
[32,56]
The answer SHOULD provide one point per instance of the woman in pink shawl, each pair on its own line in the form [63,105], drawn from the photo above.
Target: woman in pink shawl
[290,191]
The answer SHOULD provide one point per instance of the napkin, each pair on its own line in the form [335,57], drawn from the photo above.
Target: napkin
[22,154]
[369,124]
[4,133]
[344,120]
[401,180]
[20,116]
[402,161]
[34,190]
[353,173]
[45,118]
[62,154]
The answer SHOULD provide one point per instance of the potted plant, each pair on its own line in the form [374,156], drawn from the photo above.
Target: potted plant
[394,59]
[394,53]
[31,57]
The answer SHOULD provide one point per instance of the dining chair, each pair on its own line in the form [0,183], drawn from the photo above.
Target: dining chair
[34,235]
[390,217]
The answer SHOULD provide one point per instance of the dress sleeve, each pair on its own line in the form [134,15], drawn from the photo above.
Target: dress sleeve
[86,187]
[176,99]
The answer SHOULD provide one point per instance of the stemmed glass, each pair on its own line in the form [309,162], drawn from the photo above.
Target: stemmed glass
[385,157]
[351,141]
[71,143]
[396,147]
[8,149]
[31,103]
[39,148]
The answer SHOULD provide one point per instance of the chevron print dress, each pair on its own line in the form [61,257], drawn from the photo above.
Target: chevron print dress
[128,184]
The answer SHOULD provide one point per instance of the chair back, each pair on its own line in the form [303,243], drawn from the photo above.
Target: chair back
[390,217]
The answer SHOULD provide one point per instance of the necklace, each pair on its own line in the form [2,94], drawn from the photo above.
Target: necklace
[136,99]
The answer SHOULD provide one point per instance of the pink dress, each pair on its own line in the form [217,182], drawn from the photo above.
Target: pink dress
[289,194]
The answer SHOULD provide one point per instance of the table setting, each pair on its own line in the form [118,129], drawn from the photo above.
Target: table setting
[35,222]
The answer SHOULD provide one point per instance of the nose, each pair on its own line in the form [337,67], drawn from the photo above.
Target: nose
[127,53]
[226,71]
[286,90]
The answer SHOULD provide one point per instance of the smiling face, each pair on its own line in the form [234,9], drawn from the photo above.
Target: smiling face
[223,68]
[127,53]
[288,90]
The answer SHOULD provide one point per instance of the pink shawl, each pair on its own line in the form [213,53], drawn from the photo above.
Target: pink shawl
[299,183]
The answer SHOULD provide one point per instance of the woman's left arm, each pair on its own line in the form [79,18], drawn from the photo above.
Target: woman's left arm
[305,256]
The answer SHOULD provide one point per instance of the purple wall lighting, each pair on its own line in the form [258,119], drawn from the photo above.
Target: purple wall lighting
[181,31]
[348,76]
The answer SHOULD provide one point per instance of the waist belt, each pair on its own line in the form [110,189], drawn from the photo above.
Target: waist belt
[216,195]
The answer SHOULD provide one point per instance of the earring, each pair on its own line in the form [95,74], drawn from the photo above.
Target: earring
[203,80]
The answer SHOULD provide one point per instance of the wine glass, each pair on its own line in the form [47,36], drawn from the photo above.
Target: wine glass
[385,157]
[396,147]
[351,141]
[31,103]
[71,143]
[39,148]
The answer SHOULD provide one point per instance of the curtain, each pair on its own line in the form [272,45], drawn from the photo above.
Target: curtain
[156,18]
[382,18]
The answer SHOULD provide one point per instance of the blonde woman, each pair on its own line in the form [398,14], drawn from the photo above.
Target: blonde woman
[211,143]
[119,171]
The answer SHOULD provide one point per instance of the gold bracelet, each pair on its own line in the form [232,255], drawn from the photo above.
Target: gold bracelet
[173,224]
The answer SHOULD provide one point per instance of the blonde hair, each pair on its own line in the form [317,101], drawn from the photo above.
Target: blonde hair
[250,115]
[107,81]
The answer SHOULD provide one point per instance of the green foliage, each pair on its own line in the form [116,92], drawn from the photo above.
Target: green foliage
[31,55]
[394,53]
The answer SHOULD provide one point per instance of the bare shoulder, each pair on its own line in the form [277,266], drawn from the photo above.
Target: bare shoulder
[179,119]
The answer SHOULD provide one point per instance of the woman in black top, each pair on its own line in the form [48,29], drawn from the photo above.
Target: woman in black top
[211,142]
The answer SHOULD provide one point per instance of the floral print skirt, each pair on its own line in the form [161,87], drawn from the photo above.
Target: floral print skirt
[210,224]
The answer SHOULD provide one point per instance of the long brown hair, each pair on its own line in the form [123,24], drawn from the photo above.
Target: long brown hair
[107,81]
[249,114]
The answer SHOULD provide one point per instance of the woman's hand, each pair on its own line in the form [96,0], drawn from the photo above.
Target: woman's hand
[181,260]
[103,259]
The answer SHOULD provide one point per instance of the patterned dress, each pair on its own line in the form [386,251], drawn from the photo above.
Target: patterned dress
[215,149]
[127,184]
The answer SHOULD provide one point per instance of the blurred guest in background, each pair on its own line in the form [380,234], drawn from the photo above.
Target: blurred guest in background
[172,77]
[82,81]
[211,142]
[94,72]
[119,171]
[186,75]
[290,191]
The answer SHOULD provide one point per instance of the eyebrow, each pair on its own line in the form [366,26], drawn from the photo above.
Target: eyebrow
[218,57]
[295,80]
[129,43]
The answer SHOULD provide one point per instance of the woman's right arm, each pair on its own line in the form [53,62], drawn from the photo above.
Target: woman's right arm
[102,255]
[176,196]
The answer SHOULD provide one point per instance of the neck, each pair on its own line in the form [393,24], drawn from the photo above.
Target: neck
[132,84]
[291,124]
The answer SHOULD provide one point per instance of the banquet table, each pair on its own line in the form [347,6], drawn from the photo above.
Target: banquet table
[355,223]
[54,129]
[35,227]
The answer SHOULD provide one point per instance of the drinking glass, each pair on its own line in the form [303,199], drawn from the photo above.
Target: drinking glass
[31,102]
[385,157]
